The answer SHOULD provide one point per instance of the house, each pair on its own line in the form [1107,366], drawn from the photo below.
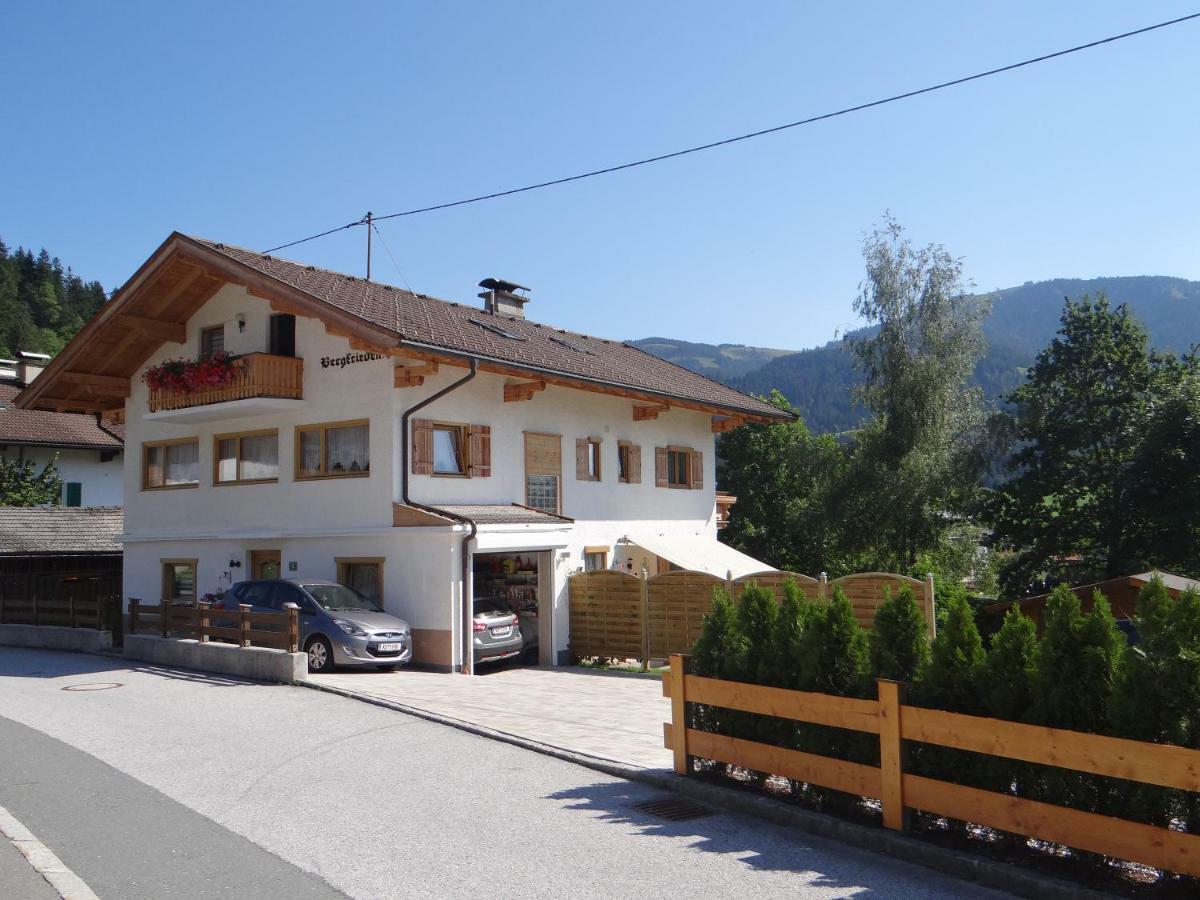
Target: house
[88,449]
[422,451]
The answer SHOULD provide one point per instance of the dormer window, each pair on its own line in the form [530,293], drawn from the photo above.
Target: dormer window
[212,341]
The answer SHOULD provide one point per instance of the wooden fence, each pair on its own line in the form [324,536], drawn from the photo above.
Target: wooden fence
[1155,764]
[79,600]
[620,616]
[241,626]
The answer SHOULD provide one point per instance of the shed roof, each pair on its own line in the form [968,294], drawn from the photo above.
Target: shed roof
[41,428]
[60,530]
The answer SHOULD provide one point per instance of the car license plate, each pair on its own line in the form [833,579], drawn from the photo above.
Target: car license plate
[389,648]
[502,631]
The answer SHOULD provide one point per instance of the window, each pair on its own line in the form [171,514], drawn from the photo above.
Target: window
[595,559]
[543,471]
[629,463]
[678,467]
[333,450]
[587,459]
[364,575]
[179,579]
[171,464]
[449,450]
[73,493]
[248,457]
[212,341]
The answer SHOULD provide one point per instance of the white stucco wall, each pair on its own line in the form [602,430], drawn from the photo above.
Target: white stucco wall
[312,522]
[102,482]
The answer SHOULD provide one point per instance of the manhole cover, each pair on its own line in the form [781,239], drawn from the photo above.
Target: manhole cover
[674,809]
[94,686]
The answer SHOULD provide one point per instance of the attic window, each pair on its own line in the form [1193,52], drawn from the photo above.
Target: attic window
[563,342]
[496,329]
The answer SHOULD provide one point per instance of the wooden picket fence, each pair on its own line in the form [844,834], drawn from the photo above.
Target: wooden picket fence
[242,626]
[81,600]
[1162,765]
[620,616]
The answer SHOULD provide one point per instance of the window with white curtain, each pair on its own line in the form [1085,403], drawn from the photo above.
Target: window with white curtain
[171,464]
[247,457]
[337,449]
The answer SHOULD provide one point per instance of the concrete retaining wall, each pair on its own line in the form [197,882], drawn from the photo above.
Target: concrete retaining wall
[56,637]
[259,663]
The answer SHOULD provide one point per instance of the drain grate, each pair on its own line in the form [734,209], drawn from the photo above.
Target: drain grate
[674,809]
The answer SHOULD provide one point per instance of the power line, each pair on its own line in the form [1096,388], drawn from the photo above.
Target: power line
[754,134]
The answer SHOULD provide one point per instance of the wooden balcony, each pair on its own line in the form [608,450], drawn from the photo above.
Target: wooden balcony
[259,375]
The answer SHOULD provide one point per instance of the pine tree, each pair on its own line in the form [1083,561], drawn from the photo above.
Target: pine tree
[900,638]
[758,614]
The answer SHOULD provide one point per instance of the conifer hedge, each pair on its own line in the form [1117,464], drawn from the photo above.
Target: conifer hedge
[1081,673]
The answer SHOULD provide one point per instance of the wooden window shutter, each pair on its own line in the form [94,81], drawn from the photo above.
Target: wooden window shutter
[633,471]
[581,459]
[422,446]
[481,451]
[697,470]
[660,467]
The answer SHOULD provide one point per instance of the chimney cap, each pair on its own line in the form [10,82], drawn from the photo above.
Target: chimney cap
[499,284]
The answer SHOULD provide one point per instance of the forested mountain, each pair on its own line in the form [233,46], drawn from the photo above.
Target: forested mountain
[42,304]
[720,361]
[1022,322]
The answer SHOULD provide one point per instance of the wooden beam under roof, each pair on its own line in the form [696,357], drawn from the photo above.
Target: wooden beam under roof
[514,393]
[158,328]
[645,413]
[109,384]
[722,424]
[413,376]
[63,404]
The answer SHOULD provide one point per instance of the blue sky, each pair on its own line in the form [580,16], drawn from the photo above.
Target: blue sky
[258,123]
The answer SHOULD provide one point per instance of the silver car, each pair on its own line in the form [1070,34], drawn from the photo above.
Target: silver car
[338,625]
[497,631]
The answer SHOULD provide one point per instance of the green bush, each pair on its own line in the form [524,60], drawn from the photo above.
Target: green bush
[795,615]
[900,638]
[1156,696]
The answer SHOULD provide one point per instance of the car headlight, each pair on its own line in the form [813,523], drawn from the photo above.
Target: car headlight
[349,628]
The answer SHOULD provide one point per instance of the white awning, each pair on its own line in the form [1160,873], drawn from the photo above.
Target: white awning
[699,553]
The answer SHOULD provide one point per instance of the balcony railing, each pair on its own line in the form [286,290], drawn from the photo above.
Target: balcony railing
[258,375]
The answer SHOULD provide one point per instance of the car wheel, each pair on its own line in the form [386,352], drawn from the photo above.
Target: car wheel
[320,655]
[391,668]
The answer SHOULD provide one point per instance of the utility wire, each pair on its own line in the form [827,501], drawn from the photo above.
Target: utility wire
[754,134]
[392,257]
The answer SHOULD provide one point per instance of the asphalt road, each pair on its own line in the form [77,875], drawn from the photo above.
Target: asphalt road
[182,785]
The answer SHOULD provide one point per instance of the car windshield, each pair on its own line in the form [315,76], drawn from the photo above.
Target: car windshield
[337,596]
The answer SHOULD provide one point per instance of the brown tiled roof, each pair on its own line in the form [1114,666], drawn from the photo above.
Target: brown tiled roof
[38,530]
[53,429]
[422,321]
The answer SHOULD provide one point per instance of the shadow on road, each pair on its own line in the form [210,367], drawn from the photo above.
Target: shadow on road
[769,848]
[20,662]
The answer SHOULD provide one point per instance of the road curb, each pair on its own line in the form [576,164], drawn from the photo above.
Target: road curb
[987,872]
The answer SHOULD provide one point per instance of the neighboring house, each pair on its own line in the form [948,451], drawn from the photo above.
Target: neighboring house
[89,450]
[419,450]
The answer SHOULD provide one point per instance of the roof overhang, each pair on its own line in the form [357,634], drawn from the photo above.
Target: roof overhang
[92,372]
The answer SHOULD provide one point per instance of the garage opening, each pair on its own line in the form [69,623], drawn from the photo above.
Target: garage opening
[505,606]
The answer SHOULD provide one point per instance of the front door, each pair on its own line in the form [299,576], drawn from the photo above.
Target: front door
[264,564]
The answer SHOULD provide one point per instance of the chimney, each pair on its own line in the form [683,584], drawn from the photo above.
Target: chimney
[500,298]
[30,365]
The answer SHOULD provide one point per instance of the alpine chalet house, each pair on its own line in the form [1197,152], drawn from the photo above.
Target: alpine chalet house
[287,421]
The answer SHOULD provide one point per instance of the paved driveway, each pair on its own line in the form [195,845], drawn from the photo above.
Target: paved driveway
[613,716]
